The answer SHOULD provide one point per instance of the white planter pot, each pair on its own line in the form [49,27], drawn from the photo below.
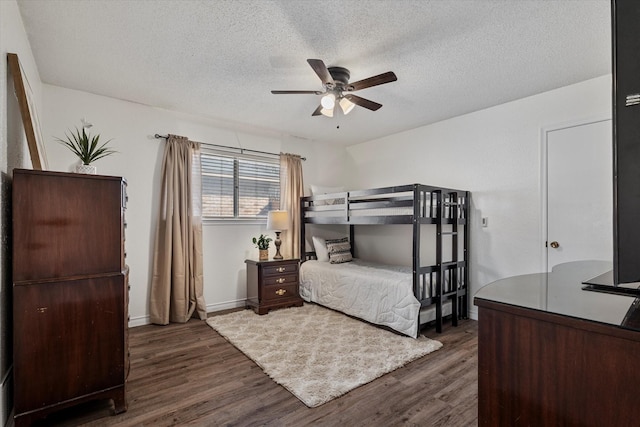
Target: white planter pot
[88,169]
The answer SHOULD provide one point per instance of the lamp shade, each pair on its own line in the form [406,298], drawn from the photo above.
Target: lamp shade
[346,106]
[328,101]
[277,220]
[328,113]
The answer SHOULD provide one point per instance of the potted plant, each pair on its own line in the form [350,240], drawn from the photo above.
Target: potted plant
[262,243]
[86,147]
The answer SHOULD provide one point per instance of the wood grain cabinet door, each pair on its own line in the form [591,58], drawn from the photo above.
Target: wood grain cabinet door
[70,338]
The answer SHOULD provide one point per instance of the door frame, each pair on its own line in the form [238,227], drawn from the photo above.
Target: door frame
[544,140]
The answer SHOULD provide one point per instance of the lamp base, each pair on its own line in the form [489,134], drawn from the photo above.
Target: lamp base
[277,242]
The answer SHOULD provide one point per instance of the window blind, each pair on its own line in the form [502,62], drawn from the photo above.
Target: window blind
[239,185]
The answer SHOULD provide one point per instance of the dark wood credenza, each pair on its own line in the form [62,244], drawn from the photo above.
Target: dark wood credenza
[70,292]
[552,354]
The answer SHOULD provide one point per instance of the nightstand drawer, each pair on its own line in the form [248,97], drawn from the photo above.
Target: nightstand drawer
[280,292]
[280,269]
[281,280]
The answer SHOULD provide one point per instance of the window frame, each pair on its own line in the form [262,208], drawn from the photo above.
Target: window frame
[266,158]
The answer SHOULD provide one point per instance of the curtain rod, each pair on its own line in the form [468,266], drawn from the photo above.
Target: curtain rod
[242,150]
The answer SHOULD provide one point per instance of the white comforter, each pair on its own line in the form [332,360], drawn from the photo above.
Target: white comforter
[376,293]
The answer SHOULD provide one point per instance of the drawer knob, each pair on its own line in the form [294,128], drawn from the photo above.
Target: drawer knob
[281,292]
[280,280]
[281,269]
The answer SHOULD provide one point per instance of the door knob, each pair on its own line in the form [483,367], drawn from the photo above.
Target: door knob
[554,245]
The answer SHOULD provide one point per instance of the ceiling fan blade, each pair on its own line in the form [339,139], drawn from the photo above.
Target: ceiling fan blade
[289,92]
[380,79]
[373,106]
[322,71]
[317,112]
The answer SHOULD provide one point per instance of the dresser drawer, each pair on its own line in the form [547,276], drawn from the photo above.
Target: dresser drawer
[276,292]
[280,269]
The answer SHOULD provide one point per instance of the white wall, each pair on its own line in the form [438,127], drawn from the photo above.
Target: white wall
[132,128]
[494,153]
[13,154]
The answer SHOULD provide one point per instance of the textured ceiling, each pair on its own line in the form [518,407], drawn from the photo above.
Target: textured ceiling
[220,59]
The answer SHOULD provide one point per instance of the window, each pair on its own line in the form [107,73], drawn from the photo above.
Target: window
[238,186]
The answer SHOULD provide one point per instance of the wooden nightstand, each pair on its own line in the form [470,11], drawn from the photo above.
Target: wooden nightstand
[272,284]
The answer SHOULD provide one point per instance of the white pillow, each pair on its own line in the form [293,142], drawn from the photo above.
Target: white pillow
[320,246]
[317,190]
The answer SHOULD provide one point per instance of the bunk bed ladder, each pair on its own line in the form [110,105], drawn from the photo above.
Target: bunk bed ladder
[453,278]
[448,212]
[418,212]
[459,273]
[464,288]
[440,272]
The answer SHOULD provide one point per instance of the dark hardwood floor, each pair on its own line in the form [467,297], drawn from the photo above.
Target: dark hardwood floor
[187,374]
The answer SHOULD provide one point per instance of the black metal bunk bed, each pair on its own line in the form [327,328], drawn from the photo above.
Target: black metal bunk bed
[415,204]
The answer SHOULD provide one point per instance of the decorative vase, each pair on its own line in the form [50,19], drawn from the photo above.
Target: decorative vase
[264,254]
[87,169]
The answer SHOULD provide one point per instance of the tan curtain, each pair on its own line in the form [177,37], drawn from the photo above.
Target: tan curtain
[291,189]
[176,286]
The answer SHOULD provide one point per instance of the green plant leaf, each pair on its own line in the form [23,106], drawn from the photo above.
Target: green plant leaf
[262,242]
[85,147]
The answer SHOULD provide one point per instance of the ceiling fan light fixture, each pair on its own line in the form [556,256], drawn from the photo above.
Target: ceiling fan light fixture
[335,81]
[328,101]
[328,112]
[346,106]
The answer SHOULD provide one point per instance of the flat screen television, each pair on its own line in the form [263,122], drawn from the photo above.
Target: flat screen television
[626,140]
[625,33]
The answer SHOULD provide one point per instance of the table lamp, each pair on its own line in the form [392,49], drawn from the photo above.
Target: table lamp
[277,221]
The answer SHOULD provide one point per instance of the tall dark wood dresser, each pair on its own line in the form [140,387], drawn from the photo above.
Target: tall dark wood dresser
[70,292]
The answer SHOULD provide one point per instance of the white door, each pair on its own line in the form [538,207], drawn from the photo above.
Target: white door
[579,193]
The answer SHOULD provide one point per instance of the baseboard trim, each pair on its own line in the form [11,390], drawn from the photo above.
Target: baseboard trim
[139,321]
[211,308]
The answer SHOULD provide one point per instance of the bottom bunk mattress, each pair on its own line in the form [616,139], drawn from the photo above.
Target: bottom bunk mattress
[380,294]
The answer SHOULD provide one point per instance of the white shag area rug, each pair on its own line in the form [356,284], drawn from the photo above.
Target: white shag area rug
[316,353]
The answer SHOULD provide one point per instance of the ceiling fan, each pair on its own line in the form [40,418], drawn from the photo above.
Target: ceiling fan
[337,89]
